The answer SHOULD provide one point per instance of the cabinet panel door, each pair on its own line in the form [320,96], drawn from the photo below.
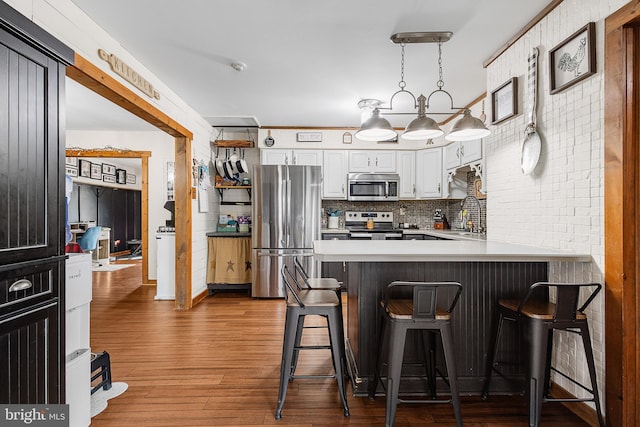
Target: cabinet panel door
[429,174]
[307,157]
[385,162]
[452,155]
[31,186]
[359,161]
[407,172]
[334,175]
[30,372]
[470,151]
[275,157]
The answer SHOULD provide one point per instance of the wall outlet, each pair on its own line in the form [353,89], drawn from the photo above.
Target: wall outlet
[402,211]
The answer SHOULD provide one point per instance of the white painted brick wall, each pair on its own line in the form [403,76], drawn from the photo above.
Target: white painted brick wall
[560,205]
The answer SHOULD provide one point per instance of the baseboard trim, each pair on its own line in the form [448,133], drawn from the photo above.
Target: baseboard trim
[581,409]
[202,295]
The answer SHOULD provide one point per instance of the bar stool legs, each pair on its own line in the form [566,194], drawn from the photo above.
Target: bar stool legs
[293,329]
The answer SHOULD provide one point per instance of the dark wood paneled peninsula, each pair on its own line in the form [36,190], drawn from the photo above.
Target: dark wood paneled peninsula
[487,271]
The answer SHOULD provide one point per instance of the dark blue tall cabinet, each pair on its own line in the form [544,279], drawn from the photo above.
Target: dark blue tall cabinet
[32,208]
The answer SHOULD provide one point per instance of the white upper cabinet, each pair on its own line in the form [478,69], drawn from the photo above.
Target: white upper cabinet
[275,157]
[462,153]
[429,175]
[291,157]
[406,161]
[307,157]
[334,173]
[372,161]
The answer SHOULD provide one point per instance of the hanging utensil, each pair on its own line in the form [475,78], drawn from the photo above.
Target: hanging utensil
[531,146]
[482,116]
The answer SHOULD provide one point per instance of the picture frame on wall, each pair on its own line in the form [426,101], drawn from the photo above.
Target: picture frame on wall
[574,59]
[131,178]
[108,169]
[71,171]
[71,161]
[111,179]
[85,168]
[121,176]
[504,101]
[96,171]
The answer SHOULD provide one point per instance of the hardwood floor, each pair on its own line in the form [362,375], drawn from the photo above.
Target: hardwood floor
[218,365]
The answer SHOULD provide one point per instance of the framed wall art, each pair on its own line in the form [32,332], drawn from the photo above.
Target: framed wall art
[108,169]
[504,101]
[121,176]
[71,161]
[85,168]
[109,178]
[574,59]
[131,178]
[96,171]
[71,171]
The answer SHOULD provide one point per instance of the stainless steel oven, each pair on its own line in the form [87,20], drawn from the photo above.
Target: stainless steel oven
[371,226]
[373,187]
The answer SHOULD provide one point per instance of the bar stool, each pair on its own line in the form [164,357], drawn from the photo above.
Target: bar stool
[324,283]
[540,318]
[315,283]
[420,312]
[306,302]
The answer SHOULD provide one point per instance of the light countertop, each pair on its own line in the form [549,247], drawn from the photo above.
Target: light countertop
[436,250]
[446,234]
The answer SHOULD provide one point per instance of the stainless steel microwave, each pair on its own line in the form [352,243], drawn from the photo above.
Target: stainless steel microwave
[373,187]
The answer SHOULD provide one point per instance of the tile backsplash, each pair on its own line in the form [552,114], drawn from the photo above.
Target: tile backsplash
[419,212]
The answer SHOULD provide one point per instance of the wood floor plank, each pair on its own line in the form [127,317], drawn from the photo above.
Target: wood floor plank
[219,365]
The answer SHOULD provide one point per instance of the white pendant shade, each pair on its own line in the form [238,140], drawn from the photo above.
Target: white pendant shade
[376,128]
[467,128]
[422,128]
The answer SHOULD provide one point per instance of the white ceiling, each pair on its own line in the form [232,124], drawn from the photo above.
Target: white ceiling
[308,63]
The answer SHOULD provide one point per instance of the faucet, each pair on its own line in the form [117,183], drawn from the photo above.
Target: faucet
[479,227]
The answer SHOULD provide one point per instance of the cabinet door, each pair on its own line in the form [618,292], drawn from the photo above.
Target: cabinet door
[31,176]
[30,371]
[470,151]
[429,173]
[407,172]
[307,157]
[334,173]
[275,157]
[384,162]
[359,161]
[452,156]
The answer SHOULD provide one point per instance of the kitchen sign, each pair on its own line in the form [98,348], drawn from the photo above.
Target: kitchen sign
[127,73]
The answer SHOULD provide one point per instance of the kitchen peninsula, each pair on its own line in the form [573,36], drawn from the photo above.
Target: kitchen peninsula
[487,271]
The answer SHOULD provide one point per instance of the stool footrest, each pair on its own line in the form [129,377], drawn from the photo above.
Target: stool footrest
[313,376]
[312,347]
[423,400]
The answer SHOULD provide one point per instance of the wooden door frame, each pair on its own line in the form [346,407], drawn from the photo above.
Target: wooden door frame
[94,78]
[144,204]
[621,215]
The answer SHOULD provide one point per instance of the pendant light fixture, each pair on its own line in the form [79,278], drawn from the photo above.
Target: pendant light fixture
[422,127]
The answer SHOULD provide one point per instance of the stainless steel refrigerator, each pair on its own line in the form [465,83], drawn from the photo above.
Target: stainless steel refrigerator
[285,222]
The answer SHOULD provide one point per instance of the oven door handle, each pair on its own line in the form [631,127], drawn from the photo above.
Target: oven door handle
[393,235]
[361,235]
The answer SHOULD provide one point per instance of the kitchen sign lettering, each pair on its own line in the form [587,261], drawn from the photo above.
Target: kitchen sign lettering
[129,74]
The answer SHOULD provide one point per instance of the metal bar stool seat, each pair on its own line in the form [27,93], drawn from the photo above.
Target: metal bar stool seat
[306,302]
[421,312]
[540,318]
[320,283]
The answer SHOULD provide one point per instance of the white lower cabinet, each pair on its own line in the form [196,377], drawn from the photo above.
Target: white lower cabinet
[334,174]
[407,170]
[429,174]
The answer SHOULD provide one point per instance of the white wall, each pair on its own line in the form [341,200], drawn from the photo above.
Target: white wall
[560,205]
[64,20]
